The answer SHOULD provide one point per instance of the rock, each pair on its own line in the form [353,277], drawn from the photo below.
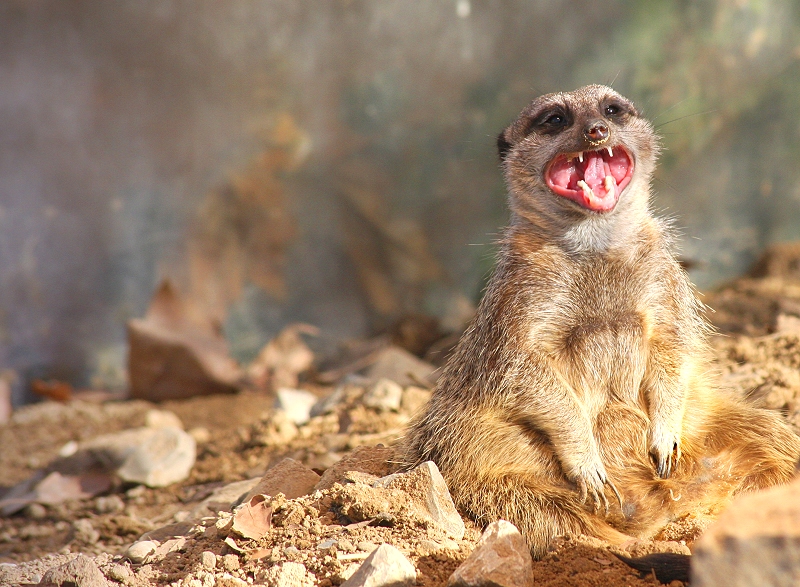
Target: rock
[230,562]
[401,367]
[155,457]
[374,460]
[384,395]
[288,574]
[427,488]
[6,391]
[162,419]
[500,559]
[224,498]
[208,559]
[328,404]
[174,354]
[35,511]
[282,359]
[756,541]
[200,434]
[289,477]
[140,551]
[120,573]
[165,533]
[385,566]
[79,572]
[109,504]
[295,403]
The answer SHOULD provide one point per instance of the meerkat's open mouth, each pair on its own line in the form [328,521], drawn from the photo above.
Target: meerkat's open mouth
[593,179]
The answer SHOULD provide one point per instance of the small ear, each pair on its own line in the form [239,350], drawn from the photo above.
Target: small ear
[503,146]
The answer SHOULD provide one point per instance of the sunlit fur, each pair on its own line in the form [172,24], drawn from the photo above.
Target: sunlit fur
[587,363]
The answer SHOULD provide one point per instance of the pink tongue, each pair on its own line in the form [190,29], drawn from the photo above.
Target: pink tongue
[595,171]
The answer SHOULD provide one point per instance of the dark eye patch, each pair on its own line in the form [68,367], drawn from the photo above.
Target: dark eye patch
[617,109]
[551,120]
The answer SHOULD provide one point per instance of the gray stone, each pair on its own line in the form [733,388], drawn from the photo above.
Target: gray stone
[140,551]
[428,489]
[384,567]
[81,571]
[500,559]
[162,419]
[155,457]
[208,559]
[289,477]
[295,403]
[756,541]
[109,504]
[120,573]
[401,367]
[328,404]
[384,395]
[224,498]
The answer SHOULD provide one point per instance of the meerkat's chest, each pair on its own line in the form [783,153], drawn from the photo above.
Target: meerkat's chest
[601,347]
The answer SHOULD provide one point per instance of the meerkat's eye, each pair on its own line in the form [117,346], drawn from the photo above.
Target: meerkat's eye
[555,120]
[616,109]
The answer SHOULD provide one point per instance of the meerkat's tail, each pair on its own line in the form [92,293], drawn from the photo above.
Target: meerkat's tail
[760,447]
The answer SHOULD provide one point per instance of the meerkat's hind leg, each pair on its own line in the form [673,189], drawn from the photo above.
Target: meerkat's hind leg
[541,511]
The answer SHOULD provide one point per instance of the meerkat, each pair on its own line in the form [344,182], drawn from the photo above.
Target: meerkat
[578,400]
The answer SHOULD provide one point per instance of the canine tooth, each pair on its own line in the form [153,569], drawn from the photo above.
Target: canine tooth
[608,183]
[610,152]
[580,156]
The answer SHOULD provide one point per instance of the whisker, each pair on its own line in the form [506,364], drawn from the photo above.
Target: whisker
[687,116]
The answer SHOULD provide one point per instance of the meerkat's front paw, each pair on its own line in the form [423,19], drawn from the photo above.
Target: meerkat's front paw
[591,478]
[665,448]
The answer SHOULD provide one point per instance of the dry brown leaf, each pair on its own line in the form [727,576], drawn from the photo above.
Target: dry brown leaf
[254,519]
[59,391]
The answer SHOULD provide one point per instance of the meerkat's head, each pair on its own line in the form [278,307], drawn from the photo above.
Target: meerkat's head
[578,155]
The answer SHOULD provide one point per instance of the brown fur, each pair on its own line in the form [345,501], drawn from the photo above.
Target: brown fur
[586,364]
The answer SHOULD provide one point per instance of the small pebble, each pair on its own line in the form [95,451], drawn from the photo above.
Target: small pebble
[139,551]
[35,511]
[365,546]
[120,573]
[208,559]
[109,504]
[230,562]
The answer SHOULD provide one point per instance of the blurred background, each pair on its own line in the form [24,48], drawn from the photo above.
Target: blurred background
[334,162]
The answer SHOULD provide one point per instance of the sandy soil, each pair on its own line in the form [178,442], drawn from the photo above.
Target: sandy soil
[757,350]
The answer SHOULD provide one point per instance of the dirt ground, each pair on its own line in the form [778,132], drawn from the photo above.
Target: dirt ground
[757,351]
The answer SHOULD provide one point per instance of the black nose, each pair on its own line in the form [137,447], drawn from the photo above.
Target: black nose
[596,131]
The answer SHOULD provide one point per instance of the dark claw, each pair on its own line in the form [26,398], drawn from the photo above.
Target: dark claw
[614,489]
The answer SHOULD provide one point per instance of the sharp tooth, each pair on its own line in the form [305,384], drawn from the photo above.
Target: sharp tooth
[580,156]
[608,183]
[610,152]
[587,191]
